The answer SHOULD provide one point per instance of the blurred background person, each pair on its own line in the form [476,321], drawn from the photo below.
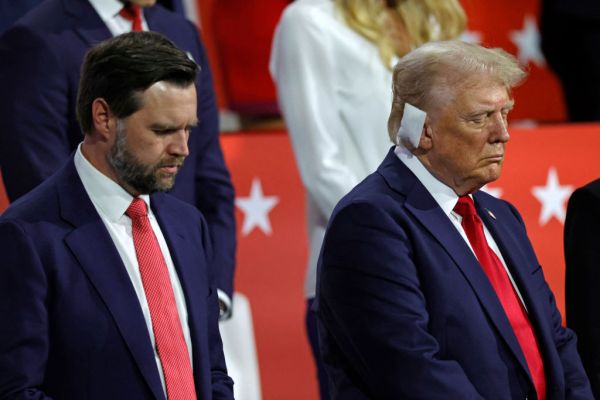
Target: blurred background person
[12,10]
[570,32]
[41,55]
[582,278]
[331,61]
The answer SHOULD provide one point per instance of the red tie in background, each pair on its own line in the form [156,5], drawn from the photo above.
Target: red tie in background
[170,343]
[515,311]
[133,13]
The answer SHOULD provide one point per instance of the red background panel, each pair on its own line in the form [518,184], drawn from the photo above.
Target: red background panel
[270,269]
[540,97]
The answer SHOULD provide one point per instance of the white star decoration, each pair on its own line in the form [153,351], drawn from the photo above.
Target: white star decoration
[528,42]
[495,191]
[256,208]
[553,197]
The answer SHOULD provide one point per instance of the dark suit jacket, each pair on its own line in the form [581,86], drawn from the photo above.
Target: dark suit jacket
[72,326]
[570,41]
[406,311]
[39,73]
[582,254]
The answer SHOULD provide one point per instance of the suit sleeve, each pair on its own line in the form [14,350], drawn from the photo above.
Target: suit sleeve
[24,327]
[303,66]
[582,254]
[374,314]
[214,191]
[34,110]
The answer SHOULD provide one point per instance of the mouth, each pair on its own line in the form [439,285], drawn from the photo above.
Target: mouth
[495,158]
[170,167]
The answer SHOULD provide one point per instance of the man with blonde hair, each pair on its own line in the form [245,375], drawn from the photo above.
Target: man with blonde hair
[428,287]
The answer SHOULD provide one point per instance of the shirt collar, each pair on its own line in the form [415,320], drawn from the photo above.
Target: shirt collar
[107,195]
[443,194]
[107,9]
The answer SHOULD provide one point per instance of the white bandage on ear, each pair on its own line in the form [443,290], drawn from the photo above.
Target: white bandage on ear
[411,126]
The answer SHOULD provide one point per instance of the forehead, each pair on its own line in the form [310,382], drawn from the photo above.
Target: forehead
[478,92]
[167,104]
[163,94]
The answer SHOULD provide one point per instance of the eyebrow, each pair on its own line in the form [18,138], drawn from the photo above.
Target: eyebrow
[509,106]
[167,127]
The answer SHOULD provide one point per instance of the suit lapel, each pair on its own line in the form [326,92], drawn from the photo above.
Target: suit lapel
[518,266]
[93,247]
[425,209]
[86,22]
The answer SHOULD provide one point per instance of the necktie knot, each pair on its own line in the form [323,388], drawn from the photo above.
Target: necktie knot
[137,209]
[133,13]
[465,207]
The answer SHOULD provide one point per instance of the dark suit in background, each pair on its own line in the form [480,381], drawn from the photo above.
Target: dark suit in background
[42,54]
[570,31]
[12,10]
[582,255]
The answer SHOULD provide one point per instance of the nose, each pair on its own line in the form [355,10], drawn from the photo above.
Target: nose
[179,143]
[499,129]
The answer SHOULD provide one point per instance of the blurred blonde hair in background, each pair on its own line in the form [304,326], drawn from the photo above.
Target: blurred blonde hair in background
[397,26]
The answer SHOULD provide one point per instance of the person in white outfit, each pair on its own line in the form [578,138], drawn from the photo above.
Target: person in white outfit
[331,61]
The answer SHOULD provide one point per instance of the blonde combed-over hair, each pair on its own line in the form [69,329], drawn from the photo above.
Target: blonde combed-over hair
[424,73]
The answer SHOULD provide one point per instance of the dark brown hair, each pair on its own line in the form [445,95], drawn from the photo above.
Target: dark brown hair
[121,68]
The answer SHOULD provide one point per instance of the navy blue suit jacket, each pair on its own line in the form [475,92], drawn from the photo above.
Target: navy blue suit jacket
[405,310]
[39,75]
[72,326]
[582,280]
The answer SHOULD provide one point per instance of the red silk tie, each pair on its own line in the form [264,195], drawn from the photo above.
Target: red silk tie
[133,13]
[514,309]
[170,343]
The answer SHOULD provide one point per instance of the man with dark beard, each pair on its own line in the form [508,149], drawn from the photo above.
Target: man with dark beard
[105,285]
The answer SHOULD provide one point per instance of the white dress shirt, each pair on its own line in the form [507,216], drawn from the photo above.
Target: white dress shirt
[335,95]
[111,201]
[447,199]
[108,10]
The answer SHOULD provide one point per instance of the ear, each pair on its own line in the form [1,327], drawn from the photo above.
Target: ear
[103,119]
[426,141]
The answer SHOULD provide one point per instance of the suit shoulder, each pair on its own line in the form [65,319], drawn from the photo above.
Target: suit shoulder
[374,191]
[592,188]
[35,205]
[48,16]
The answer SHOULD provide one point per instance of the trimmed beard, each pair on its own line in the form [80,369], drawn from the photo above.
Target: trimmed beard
[143,178]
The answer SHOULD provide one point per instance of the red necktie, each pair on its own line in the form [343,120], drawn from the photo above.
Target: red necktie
[133,13]
[514,309]
[170,343]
